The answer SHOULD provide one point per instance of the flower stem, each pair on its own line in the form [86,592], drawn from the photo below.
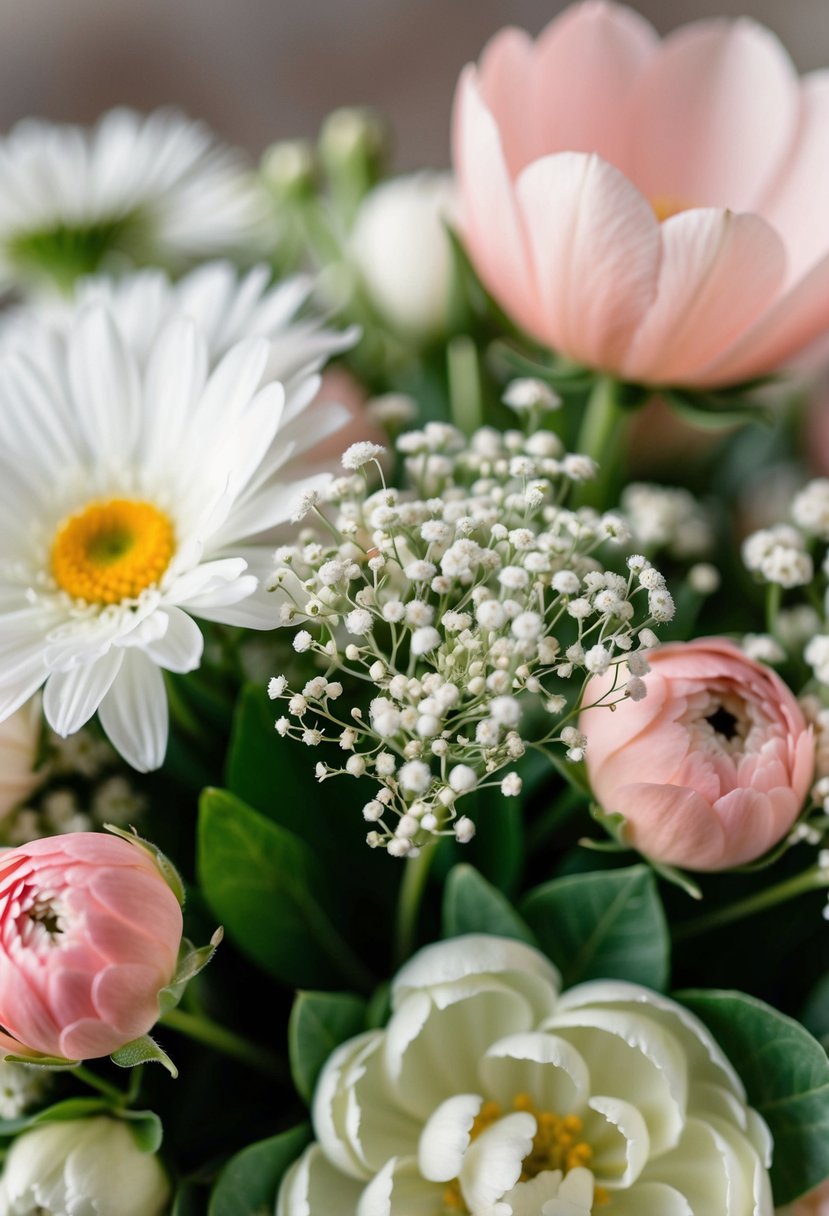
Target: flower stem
[810,880]
[92,1079]
[464,385]
[204,1030]
[415,873]
[599,438]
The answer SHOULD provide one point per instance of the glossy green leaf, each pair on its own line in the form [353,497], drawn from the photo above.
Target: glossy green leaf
[786,1075]
[320,1022]
[248,1184]
[472,905]
[605,924]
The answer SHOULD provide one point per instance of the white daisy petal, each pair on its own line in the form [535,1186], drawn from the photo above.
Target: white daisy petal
[70,698]
[105,387]
[180,648]
[134,713]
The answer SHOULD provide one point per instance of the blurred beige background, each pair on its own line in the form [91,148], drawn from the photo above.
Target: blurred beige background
[259,70]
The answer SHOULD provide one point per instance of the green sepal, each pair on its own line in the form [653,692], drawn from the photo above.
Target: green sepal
[615,825]
[143,1051]
[165,867]
[35,1060]
[677,877]
[191,960]
[719,410]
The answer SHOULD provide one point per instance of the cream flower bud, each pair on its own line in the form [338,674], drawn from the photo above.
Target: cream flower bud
[82,1165]
[400,248]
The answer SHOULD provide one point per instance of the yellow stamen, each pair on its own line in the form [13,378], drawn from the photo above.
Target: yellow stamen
[112,551]
[665,205]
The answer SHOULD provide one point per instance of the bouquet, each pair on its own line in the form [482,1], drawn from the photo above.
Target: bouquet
[414,650]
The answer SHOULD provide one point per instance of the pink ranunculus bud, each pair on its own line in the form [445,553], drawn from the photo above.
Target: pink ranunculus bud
[711,768]
[656,209]
[89,935]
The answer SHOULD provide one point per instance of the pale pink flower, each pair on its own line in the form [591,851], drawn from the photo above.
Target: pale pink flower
[658,210]
[89,935]
[19,743]
[712,767]
[816,1203]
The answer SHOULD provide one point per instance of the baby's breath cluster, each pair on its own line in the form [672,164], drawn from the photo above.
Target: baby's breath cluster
[475,604]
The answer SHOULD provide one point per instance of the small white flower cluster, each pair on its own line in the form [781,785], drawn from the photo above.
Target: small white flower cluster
[454,601]
[669,519]
[21,1086]
[778,555]
[59,810]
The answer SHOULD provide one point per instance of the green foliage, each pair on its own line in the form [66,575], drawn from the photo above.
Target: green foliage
[320,1022]
[602,925]
[472,905]
[248,1184]
[272,895]
[143,1051]
[786,1075]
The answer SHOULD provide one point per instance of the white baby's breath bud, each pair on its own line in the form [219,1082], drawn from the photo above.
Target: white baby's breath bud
[527,626]
[302,641]
[648,639]
[661,605]
[359,454]
[276,687]
[763,648]
[372,811]
[579,608]
[314,690]
[514,578]
[636,689]
[399,847]
[311,737]
[282,726]
[476,685]
[377,671]
[415,776]
[511,785]
[424,640]
[597,660]
[320,772]
[651,579]
[787,567]
[297,705]
[757,547]
[355,765]
[527,394]
[359,621]
[810,509]
[578,467]
[637,664]
[555,705]
[418,613]
[384,764]
[464,830]
[305,503]
[506,711]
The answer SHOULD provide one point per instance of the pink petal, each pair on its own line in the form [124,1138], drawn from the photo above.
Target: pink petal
[673,824]
[719,273]
[144,903]
[127,998]
[714,116]
[586,64]
[796,319]
[506,77]
[116,942]
[23,1009]
[88,1039]
[489,221]
[70,995]
[596,246]
[798,202]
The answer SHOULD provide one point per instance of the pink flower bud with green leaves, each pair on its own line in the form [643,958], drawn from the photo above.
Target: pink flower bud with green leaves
[90,931]
[711,769]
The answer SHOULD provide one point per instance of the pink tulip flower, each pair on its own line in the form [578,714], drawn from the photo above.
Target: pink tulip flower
[655,210]
[711,768]
[89,935]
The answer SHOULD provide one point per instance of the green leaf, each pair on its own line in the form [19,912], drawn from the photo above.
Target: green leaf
[320,1022]
[165,867]
[143,1051]
[248,1184]
[472,905]
[146,1129]
[602,925]
[191,960]
[786,1075]
[272,895]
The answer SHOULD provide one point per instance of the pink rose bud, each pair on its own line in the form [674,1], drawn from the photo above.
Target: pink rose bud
[89,935]
[712,767]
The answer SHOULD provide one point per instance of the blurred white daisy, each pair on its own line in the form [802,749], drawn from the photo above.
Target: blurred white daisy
[142,468]
[145,188]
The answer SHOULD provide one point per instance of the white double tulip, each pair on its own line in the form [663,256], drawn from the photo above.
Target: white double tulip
[82,1167]
[489,1094]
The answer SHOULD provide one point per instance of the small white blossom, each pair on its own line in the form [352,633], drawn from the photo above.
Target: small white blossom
[360,454]
[302,641]
[415,776]
[359,622]
[276,687]
[511,785]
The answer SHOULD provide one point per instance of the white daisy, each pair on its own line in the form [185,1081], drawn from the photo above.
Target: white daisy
[150,188]
[138,484]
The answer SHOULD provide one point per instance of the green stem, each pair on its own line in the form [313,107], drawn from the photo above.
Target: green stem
[204,1030]
[92,1079]
[774,594]
[810,880]
[415,873]
[598,437]
[465,399]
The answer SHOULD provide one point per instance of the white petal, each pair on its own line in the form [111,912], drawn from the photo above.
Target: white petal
[547,1068]
[492,1165]
[314,1187]
[134,713]
[71,697]
[618,1136]
[650,1199]
[203,579]
[375,1126]
[446,1136]
[105,386]
[330,1104]
[477,954]
[180,649]
[399,1190]
[635,1059]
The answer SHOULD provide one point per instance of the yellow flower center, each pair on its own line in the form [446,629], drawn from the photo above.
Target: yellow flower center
[665,205]
[112,551]
[557,1145]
